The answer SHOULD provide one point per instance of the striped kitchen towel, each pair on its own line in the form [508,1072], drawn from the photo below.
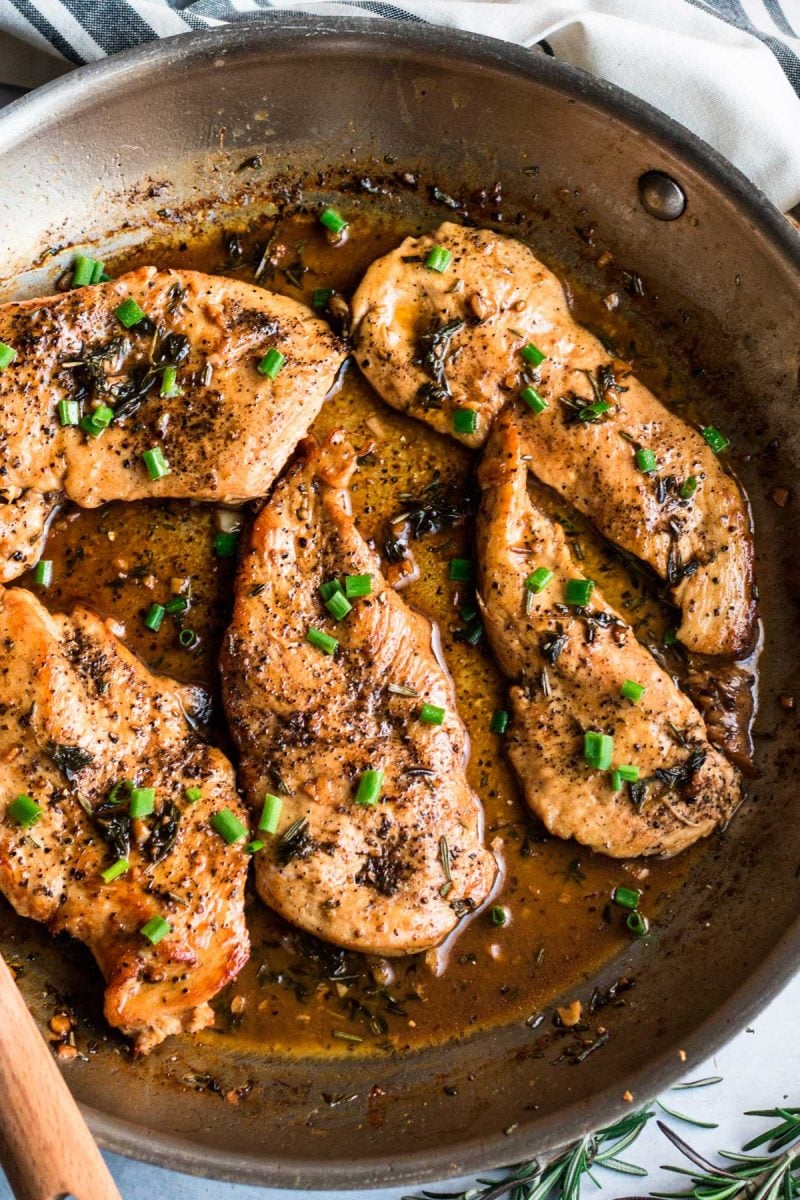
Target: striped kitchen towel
[727,69]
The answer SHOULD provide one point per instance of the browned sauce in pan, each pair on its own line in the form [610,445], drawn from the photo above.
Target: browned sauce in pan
[298,994]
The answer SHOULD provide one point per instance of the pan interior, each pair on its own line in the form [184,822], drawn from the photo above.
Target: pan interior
[458,117]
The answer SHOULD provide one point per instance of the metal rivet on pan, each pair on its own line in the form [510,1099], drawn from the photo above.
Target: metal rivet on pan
[661,196]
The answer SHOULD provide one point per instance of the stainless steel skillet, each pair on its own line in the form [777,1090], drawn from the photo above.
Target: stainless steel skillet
[96,157]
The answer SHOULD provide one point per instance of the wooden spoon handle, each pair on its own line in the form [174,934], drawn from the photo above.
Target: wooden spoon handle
[46,1148]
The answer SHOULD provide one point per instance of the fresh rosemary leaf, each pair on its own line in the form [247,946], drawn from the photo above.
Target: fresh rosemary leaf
[671,1112]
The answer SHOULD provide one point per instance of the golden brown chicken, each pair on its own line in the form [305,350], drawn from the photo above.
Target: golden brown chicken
[160,383]
[454,346]
[108,811]
[607,749]
[348,731]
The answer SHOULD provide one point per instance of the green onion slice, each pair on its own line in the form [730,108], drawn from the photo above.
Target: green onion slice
[24,810]
[320,298]
[43,572]
[498,915]
[628,774]
[332,220]
[369,788]
[156,463]
[431,714]
[534,401]
[626,897]
[155,930]
[538,580]
[716,440]
[646,461]
[228,826]
[638,924]
[226,543]
[270,814]
[154,617]
[69,412]
[271,364]
[499,721]
[688,488]
[169,382]
[254,846]
[630,690]
[115,870]
[461,570]
[322,641]
[532,354]
[578,591]
[465,420]
[193,794]
[357,585]
[128,313]
[142,803]
[338,605]
[598,749]
[7,355]
[439,259]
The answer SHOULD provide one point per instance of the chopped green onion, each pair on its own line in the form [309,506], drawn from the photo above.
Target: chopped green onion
[169,382]
[357,585]
[628,774]
[69,412]
[532,354]
[538,580]
[254,846]
[431,714]
[630,690]
[271,363]
[688,488]
[128,313]
[498,915]
[670,637]
[228,826]
[24,810]
[369,788]
[322,641]
[156,463]
[474,635]
[592,411]
[578,591]
[332,220]
[338,605]
[188,638]
[320,297]
[616,781]
[193,794]
[121,786]
[460,570]
[155,930]
[598,749]
[439,259]
[85,270]
[626,897]
[115,870]
[43,572]
[97,421]
[465,420]
[469,613]
[177,604]
[330,588]
[270,814]
[646,460]
[7,355]
[716,440]
[154,617]
[226,543]
[638,924]
[499,721]
[534,401]
[142,802]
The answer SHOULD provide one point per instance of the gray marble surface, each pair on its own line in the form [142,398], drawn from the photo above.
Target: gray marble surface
[760,1069]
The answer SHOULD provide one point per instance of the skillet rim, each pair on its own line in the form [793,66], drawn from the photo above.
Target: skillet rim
[274,31]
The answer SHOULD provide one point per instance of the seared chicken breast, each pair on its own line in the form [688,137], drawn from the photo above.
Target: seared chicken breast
[453,347]
[579,677]
[160,383]
[82,724]
[377,842]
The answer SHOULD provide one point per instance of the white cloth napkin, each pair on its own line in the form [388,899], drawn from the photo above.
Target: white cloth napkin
[727,69]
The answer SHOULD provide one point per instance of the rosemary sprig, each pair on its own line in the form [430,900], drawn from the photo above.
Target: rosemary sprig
[563,1177]
[774,1175]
